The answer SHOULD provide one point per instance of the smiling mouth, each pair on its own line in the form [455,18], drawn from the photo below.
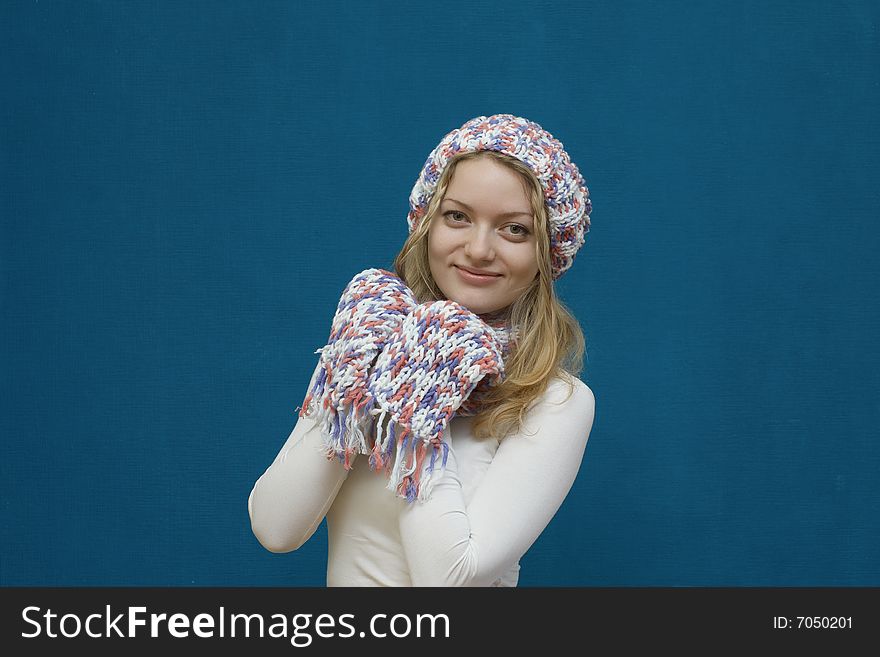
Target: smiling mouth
[467,271]
[476,280]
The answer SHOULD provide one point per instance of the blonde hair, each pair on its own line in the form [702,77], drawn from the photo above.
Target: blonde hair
[549,339]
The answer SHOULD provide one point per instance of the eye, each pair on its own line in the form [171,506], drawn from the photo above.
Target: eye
[521,231]
[455,215]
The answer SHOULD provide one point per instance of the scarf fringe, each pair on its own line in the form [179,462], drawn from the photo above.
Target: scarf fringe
[351,430]
[410,478]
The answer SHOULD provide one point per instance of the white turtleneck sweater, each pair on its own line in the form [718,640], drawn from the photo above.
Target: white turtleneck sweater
[483,514]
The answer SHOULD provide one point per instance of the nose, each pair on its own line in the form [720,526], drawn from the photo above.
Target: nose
[479,244]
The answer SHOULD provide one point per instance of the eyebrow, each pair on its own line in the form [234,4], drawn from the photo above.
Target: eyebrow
[503,215]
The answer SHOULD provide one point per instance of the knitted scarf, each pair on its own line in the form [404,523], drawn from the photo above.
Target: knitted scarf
[394,372]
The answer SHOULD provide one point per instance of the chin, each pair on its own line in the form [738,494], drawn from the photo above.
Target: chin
[476,306]
[478,302]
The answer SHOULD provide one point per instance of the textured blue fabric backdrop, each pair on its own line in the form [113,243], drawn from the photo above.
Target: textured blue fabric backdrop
[185,188]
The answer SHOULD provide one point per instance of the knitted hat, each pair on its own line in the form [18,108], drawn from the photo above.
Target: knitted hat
[565,194]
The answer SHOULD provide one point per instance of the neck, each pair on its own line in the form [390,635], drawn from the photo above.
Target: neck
[495,315]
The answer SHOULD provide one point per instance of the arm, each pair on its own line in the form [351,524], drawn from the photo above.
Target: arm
[448,543]
[291,498]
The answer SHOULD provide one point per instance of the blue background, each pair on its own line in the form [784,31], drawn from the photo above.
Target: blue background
[186,187]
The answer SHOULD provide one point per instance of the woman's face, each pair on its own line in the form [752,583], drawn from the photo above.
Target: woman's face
[485,225]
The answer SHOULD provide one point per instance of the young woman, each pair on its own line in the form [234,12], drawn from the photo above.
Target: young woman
[445,424]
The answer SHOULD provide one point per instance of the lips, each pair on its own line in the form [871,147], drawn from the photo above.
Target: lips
[477,272]
[479,280]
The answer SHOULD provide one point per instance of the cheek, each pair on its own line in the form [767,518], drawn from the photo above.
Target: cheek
[526,263]
[435,256]
[439,243]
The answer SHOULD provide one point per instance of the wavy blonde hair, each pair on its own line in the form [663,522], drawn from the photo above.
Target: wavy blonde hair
[549,339]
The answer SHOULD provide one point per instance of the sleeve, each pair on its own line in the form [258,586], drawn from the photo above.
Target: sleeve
[291,498]
[449,543]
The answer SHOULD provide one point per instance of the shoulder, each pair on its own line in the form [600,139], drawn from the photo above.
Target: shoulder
[567,404]
[568,391]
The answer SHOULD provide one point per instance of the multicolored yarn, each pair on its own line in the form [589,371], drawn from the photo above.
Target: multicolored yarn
[566,196]
[394,372]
